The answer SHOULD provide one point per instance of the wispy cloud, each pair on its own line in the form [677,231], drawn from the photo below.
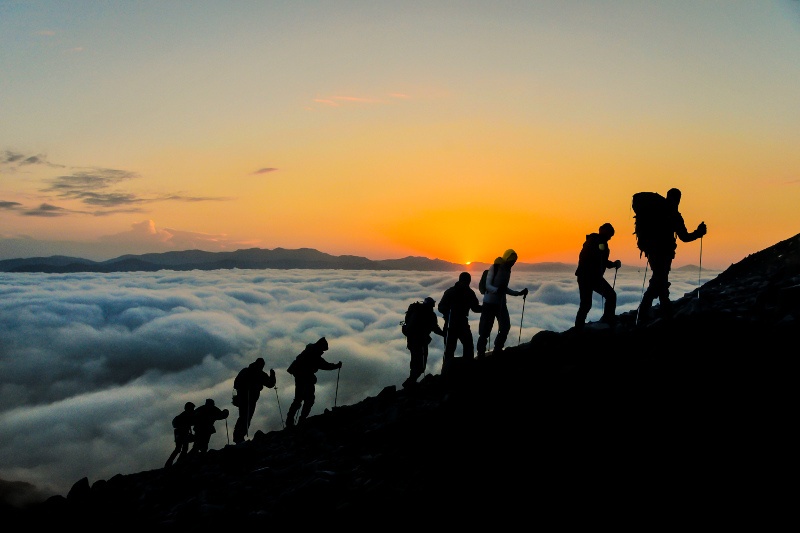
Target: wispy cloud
[47,211]
[102,190]
[265,170]
[17,159]
[9,205]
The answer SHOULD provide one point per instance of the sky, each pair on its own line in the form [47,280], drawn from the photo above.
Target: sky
[449,130]
[95,366]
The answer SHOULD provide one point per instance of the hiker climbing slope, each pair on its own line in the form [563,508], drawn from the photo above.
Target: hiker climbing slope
[248,385]
[660,251]
[420,322]
[182,424]
[494,303]
[304,369]
[592,264]
[455,305]
[203,422]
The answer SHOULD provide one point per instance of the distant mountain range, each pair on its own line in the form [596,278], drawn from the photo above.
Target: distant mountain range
[249,259]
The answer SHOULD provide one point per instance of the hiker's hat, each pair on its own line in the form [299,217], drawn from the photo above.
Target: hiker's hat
[509,254]
[429,301]
[322,343]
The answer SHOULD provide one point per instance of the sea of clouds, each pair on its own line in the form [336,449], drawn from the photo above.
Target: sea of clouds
[93,367]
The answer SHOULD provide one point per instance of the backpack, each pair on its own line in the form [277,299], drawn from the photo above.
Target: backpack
[651,221]
[413,319]
[482,282]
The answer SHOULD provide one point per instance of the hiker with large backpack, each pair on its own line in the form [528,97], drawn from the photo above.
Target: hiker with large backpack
[592,264]
[494,303]
[304,369]
[455,305]
[247,388]
[658,225]
[420,321]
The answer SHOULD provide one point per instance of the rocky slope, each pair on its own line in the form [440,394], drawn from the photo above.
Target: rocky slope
[678,422]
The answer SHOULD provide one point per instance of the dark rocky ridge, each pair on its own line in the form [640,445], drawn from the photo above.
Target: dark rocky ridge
[672,423]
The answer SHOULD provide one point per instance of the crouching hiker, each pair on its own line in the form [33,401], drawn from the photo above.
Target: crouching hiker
[183,433]
[304,369]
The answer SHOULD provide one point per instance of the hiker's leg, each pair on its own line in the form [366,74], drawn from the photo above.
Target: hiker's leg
[451,342]
[295,405]
[416,365]
[467,346]
[503,327]
[485,327]
[308,402]
[604,289]
[585,293]
[240,428]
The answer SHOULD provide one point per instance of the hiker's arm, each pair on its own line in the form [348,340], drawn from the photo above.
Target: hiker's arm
[475,304]
[684,235]
[325,365]
[269,379]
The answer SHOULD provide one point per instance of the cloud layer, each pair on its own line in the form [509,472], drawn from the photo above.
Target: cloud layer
[94,367]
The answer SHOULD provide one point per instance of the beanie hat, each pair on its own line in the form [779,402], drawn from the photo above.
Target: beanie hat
[465,277]
[509,254]
[429,301]
[322,343]
[189,406]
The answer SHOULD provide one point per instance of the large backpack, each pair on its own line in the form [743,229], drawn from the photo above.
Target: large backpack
[413,319]
[651,221]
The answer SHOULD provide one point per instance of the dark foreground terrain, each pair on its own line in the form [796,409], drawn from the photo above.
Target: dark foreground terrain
[683,423]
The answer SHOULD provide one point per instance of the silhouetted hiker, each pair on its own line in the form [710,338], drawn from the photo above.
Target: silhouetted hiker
[592,264]
[494,303]
[661,253]
[248,384]
[204,418]
[183,433]
[418,337]
[304,369]
[455,305]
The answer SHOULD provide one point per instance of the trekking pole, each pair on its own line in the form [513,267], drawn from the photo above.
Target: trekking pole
[227,435]
[520,319]
[247,411]
[279,406]
[640,301]
[337,386]
[700,268]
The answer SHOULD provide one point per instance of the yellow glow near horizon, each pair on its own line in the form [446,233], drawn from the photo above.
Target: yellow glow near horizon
[527,132]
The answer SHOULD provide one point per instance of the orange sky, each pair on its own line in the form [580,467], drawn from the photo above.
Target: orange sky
[412,129]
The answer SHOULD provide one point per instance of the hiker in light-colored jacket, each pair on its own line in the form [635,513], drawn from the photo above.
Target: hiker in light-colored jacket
[494,303]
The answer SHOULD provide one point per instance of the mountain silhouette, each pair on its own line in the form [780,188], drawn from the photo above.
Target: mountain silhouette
[251,259]
[675,423]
